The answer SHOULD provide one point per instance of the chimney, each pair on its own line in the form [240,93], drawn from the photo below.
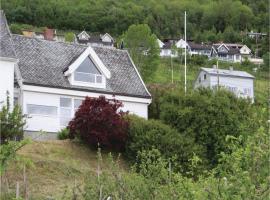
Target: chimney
[231,68]
[48,34]
[214,66]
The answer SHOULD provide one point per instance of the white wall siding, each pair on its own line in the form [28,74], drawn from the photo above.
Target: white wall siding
[52,123]
[6,81]
[240,84]
[41,122]
[203,82]
[140,109]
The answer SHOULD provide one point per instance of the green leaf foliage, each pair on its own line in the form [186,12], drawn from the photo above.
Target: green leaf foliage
[12,122]
[207,118]
[147,134]
[143,48]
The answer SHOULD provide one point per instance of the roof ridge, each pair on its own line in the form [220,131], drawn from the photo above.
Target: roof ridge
[50,41]
[67,43]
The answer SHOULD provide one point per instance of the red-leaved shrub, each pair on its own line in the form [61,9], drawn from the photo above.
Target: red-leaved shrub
[98,121]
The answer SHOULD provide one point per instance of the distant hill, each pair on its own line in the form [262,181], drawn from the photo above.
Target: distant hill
[164,17]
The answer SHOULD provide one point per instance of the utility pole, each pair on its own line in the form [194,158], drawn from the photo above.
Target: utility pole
[217,76]
[185,52]
[172,67]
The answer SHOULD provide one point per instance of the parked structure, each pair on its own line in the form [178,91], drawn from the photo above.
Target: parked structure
[230,52]
[238,82]
[94,40]
[52,78]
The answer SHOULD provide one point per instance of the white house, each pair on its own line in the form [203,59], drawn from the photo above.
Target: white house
[192,48]
[166,48]
[238,82]
[230,52]
[52,78]
[94,40]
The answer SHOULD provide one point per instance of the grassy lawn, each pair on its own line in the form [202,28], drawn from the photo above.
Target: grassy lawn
[55,168]
[163,75]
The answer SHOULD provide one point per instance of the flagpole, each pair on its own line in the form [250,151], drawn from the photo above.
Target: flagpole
[185,52]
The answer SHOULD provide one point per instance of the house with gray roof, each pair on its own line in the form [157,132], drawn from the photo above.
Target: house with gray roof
[50,79]
[194,48]
[94,39]
[238,82]
[230,52]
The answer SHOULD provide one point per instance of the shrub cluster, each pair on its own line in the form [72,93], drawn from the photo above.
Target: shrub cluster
[98,122]
[12,123]
[208,117]
[63,134]
[148,134]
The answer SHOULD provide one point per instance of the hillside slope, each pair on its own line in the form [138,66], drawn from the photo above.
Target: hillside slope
[54,169]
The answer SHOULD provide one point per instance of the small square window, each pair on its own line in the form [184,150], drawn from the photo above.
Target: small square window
[204,76]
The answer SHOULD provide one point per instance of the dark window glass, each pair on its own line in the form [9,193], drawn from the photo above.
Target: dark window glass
[88,66]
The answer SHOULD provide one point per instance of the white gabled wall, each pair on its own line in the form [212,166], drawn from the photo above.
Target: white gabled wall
[51,97]
[6,81]
[203,82]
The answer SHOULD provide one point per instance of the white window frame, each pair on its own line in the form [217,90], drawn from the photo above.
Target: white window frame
[62,107]
[89,84]
[75,109]
[44,115]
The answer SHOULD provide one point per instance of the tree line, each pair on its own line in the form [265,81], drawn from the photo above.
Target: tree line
[165,18]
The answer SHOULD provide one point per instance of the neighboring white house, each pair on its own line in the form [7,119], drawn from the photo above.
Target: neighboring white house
[192,48]
[238,82]
[94,40]
[230,52]
[166,48]
[52,78]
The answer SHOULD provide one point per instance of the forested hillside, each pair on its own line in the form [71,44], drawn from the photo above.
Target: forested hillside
[165,18]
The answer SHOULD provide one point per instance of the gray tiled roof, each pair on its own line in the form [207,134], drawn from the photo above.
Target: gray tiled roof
[6,48]
[196,46]
[232,51]
[93,39]
[42,62]
[227,72]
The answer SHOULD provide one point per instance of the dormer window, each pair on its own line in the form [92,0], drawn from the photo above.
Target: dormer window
[88,73]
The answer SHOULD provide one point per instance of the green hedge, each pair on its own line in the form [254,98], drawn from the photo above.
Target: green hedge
[148,134]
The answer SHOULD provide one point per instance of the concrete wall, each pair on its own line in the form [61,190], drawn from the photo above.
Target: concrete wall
[52,123]
[6,81]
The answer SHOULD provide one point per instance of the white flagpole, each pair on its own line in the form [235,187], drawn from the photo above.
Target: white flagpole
[185,52]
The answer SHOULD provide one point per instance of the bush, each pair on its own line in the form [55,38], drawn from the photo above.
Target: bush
[208,117]
[198,59]
[63,134]
[98,122]
[12,123]
[148,134]
[69,37]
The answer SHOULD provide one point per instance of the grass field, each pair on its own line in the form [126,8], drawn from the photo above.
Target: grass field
[54,170]
[163,75]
